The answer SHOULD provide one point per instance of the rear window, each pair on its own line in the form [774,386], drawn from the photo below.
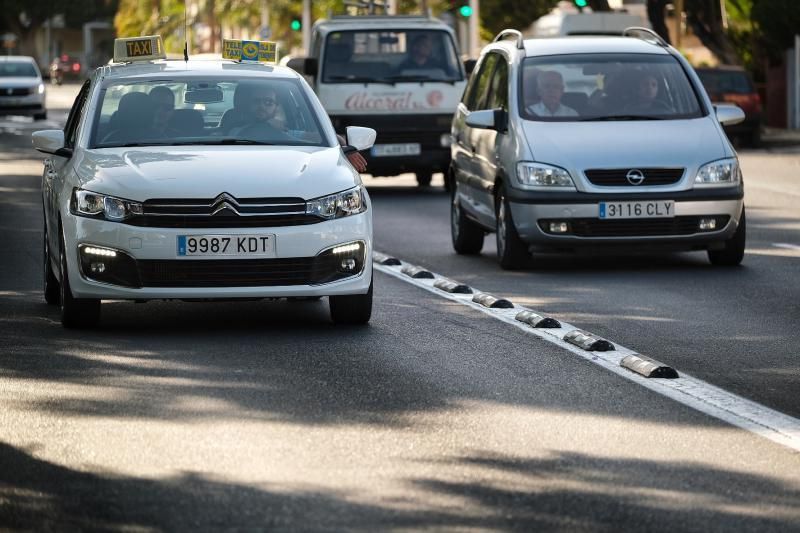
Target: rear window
[21,69]
[583,87]
[721,81]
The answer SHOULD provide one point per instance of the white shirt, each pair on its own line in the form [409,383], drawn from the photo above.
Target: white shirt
[561,111]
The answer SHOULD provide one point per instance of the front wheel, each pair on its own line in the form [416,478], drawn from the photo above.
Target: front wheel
[75,312]
[733,252]
[351,308]
[512,252]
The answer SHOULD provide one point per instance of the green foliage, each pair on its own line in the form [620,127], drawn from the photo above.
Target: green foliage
[777,22]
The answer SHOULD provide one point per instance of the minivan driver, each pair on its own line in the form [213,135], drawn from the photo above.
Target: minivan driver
[551,88]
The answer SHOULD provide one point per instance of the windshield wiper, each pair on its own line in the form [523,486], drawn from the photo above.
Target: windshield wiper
[228,140]
[622,117]
[360,79]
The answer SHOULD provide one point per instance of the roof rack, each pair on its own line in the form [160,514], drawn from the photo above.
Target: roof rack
[509,32]
[649,35]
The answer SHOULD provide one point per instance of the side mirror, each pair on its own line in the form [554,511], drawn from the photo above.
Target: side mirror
[50,142]
[360,138]
[729,114]
[304,65]
[488,119]
[469,65]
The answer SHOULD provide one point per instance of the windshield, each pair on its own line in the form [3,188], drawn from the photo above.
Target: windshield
[586,87]
[390,57]
[14,69]
[206,112]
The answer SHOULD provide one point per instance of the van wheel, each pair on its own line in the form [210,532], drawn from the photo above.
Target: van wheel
[75,312]
[52,291]
[733,252]
[424,178]
[511,251]
[351,308]
[466,235]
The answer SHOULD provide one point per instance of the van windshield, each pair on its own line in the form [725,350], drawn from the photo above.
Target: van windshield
[595,87]
[395,56]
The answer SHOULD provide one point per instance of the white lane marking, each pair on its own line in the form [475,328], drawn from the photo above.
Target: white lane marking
[785,245]
[689,391]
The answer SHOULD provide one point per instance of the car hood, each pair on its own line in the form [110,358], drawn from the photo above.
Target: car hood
[620,144]
[206,171]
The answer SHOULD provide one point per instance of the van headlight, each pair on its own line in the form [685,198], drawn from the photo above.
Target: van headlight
[541,176]
[95,205]
[341,204]
[723,172]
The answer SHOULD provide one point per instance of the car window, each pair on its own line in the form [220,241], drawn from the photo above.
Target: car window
[479,87]
[18,69]
[75,114]
[498,90]
[606,87]
[722,81]
[206,111]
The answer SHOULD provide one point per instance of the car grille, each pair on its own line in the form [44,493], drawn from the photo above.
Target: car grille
[224,211]
[639,227]
[15,91]
[239,272]
[617,177]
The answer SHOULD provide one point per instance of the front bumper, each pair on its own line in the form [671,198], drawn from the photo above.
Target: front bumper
[154,258]
[588,231]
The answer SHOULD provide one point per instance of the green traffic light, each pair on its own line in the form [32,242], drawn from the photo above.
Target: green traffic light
[465,11]
[581,3]
[295,25]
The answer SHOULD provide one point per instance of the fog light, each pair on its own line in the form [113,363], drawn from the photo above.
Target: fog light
[348,264]
[346,248]
[445,140]
[559,227]
[98,268]
[708,224]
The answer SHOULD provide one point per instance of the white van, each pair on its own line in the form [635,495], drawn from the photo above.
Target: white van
[400,75]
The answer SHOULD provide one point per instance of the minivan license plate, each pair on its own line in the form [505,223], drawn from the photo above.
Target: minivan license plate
[226,245]
[653,209]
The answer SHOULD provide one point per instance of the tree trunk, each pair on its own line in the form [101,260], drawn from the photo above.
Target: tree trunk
[599,5]
[656,10]
[705,19]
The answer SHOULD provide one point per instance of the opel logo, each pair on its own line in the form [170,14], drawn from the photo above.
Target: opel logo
[634,176]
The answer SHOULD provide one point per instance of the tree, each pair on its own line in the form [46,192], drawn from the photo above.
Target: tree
[497,15]
[705,19]
[655,12]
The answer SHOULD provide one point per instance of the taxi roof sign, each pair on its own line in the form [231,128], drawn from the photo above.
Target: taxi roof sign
[142,48]
[255,51]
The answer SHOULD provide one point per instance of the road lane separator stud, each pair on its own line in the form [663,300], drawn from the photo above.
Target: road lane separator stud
[487,300]
[648,367]
[536,320]
[384,259]
[416,272]
[453,287]
[588,341]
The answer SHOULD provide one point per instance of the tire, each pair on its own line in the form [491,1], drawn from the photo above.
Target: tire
[449,179]
[733,252]
[75,312]
[351,308]
[466,235]
[40,116]
[424,178]
[512,253]
[52,289]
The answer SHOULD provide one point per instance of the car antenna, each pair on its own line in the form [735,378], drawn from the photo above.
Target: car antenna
[185,34]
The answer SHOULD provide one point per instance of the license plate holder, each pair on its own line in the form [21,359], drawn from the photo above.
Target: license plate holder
[226,246]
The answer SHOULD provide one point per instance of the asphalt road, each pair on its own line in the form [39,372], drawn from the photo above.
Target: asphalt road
[264,416]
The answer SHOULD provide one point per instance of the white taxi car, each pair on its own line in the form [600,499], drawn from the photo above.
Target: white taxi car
[201,180]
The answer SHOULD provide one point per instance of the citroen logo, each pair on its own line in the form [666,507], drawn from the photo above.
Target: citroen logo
[634,176]
[224,202]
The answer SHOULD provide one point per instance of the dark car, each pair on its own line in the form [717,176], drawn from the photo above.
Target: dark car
[733,85]
[64,67]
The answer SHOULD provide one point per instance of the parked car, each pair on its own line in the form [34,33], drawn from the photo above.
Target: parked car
[731,84]
[64,67]
[21,87]
[593,143]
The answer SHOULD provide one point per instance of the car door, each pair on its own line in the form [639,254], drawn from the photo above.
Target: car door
[56,168]
[465,137]
[486,144]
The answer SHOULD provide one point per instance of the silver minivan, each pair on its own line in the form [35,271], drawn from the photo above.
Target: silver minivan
[593,143]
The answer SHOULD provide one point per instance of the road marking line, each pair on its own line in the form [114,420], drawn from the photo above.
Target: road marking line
[787,246]
[692,392]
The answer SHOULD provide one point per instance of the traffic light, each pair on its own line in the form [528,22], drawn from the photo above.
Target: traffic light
[580,4]
[465,11]
[296,25]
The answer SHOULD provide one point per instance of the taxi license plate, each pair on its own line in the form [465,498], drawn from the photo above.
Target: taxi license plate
[226,245]
[654,209]
[388,150]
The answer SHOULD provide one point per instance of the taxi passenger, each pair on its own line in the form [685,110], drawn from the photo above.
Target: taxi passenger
[551,88]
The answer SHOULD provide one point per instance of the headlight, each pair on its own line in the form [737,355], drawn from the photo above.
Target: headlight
[41,88]
[722,172]
[91,204]
[541,176]
[342,204]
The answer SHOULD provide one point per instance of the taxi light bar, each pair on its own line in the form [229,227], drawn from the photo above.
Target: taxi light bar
[250,51]
[145,48]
